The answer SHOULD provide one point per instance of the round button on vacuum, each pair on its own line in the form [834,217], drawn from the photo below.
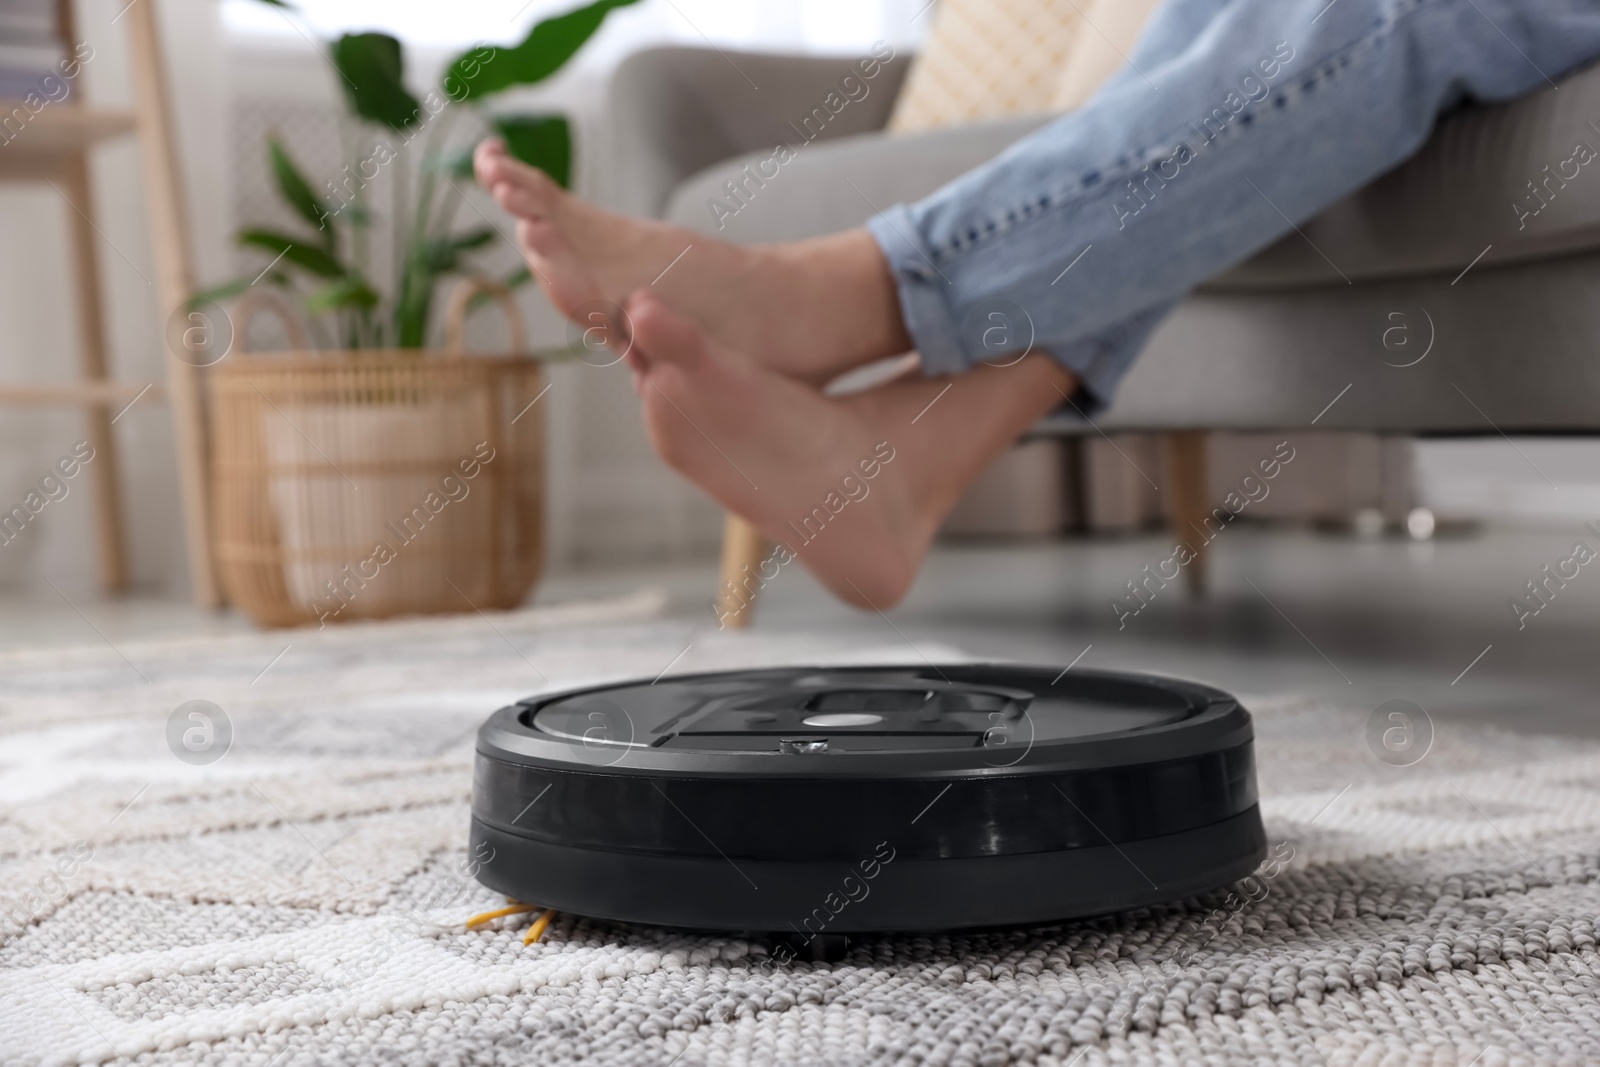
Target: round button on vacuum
[843,718]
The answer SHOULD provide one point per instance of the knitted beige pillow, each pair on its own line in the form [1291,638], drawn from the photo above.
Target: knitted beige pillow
[988,59]
[1111,28]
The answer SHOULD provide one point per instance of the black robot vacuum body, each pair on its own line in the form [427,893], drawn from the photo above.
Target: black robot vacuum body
[844,800]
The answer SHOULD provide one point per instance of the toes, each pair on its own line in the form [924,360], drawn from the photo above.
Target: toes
[486,161]
[516,187]
[487,149]
[516,193]
[661,334]
[876,589]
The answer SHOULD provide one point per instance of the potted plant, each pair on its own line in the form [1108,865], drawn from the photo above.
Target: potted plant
[371,475]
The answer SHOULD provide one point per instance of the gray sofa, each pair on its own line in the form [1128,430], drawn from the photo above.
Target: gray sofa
[1265,346]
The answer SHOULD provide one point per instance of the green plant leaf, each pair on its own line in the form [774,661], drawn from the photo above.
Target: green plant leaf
[515,280]
[411,310]
[543,141]
[547,47]
[348,292]
[457,164]
[440,255]
[297,191]
[372,71]
[229,290]
[306,256]
[472,239]
[436,256]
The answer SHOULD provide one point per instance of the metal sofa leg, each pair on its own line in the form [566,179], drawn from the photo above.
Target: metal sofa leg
[742,548]
[1186,504]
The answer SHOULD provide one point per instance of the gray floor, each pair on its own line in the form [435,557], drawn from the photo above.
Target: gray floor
[1358,621]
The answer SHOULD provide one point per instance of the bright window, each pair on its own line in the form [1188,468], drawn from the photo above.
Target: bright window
[777,25]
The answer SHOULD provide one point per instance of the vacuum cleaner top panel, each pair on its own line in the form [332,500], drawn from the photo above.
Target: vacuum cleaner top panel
[878,722]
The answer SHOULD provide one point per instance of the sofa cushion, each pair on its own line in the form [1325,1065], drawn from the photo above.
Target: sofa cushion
[1466,190]
[673,111]
[1112,30]
[1508,350]
[831,186]
[986,59]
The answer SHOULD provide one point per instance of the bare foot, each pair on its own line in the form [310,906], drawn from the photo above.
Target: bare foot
[856,486]
[813,309]
[778,453]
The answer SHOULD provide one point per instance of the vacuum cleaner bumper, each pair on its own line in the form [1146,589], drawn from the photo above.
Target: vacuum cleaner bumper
[844,800]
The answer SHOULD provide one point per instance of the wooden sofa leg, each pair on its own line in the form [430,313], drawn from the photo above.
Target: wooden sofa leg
[1186,505]
[742,548]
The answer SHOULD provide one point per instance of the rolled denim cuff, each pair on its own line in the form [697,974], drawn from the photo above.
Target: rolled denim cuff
[924,292]
[1100,362]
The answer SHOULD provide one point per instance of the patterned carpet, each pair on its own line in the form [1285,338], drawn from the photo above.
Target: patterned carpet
[300,900]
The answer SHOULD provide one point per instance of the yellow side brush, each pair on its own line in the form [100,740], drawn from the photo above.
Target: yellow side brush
[536,931]
[516,908]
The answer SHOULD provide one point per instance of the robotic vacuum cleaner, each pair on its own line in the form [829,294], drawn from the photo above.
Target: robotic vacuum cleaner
[845,800]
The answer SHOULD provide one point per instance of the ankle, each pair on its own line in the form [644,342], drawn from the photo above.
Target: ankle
[867,279]
[845,276]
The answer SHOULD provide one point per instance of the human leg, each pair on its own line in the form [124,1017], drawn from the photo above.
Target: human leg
[1233,118]
[811,309]
[852,487]
[1275,109]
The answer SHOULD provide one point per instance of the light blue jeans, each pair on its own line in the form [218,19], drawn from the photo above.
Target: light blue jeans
[1231,118]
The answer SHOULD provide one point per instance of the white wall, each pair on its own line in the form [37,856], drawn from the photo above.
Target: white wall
[783,25]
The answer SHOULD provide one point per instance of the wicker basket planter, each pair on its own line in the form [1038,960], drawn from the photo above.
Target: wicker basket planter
[367,484]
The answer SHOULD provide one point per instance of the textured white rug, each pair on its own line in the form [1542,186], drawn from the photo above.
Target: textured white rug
[300,900]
